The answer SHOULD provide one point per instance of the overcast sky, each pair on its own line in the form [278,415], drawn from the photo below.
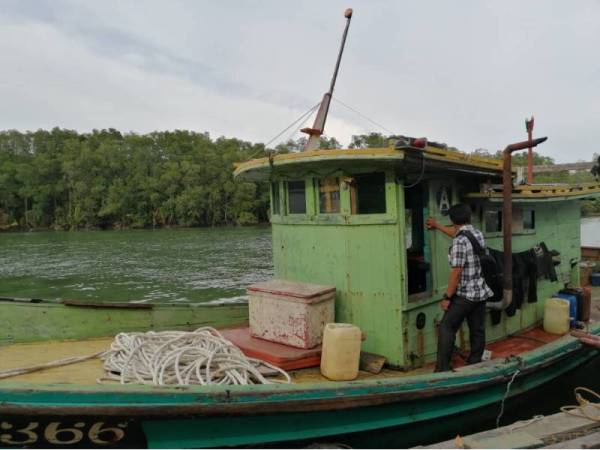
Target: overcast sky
[466,73]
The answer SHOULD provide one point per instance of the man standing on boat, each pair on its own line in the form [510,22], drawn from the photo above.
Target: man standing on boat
[467,291]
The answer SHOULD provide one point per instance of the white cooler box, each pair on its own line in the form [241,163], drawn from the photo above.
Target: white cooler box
[289,312]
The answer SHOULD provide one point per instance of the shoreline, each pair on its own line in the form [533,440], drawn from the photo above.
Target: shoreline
[173,227]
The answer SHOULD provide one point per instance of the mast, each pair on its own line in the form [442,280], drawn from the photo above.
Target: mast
[529,128]
[319,124]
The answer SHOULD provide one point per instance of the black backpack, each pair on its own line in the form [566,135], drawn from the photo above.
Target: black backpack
[489,269]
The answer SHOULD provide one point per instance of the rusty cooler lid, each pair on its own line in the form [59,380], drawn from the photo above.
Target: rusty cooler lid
[293,290]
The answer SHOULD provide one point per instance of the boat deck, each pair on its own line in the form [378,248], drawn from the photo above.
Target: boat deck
[90,371]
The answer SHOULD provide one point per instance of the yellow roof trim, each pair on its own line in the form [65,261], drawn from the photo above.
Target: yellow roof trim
[431,153]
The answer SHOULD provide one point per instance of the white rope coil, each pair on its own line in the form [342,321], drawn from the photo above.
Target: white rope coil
[183,358]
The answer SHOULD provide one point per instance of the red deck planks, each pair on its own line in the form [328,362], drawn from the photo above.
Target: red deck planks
[515,345]
[283,356]
[290,358]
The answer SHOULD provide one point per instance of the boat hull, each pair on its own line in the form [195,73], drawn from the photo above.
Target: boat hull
[217,416]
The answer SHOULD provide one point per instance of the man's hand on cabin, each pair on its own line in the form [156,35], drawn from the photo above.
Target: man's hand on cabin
[431,223]
[445,303]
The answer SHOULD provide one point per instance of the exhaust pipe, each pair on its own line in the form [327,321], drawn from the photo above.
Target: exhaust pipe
[507,285]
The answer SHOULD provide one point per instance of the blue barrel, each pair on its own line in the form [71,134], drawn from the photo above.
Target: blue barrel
[572,305]
[579,295]
[595,279]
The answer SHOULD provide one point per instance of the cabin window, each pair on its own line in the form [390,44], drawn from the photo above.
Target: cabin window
[529,219]
[329,195]
[367,195]
[493,220]
[523,220]
[296,191]
[276,204]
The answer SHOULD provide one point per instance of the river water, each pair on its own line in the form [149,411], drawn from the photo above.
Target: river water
[180,265]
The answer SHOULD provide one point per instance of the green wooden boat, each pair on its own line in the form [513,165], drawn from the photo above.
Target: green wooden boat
[367,257]
[65,407]
[353,218]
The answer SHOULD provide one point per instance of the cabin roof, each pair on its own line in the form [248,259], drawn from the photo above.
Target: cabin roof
[434,159]
[540,192]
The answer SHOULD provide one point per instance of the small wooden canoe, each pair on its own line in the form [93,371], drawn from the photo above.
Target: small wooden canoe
[66,407]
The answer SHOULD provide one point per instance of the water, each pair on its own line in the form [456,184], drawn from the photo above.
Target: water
[181,265]
[590,232]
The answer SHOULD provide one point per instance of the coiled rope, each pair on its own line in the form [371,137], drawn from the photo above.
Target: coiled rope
[581,409]
[183,358]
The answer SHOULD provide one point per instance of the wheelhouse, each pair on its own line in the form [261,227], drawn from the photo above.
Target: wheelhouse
[356,219]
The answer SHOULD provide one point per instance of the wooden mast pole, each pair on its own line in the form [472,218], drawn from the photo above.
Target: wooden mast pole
[318,127]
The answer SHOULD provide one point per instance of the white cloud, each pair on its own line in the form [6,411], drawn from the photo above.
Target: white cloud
[55,81]
[466,74]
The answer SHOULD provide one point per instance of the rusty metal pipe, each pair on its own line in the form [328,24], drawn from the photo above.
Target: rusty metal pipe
[507,289]
[529,128]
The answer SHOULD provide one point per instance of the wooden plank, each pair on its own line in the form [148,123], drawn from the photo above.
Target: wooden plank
[26,322]
[541,429]
[588,441]
[56,363]
[41,353]
[371,362]
[94,304]
[488,363]
[518,439]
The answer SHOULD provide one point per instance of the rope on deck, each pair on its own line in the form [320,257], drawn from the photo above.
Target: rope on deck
[48,365]
[183,358]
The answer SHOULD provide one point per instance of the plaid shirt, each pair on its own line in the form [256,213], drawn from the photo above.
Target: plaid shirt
[471,284]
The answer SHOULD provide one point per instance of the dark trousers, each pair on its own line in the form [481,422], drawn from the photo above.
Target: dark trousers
[460,309]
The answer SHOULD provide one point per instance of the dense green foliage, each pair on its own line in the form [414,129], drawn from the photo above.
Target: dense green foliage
[104,179]
[69,180]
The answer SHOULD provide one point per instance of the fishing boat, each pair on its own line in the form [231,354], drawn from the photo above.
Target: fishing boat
[353,219]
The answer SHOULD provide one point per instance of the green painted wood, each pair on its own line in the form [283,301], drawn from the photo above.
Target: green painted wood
[364,257]
[26,322]
[216,431]
[349,258]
